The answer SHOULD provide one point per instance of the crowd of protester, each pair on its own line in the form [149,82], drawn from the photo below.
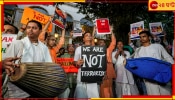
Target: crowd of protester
[38,45]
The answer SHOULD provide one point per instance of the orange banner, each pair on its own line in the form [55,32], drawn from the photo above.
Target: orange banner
[67,65]
[30,14]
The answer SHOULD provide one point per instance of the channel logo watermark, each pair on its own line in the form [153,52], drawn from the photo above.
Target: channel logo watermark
[161,5]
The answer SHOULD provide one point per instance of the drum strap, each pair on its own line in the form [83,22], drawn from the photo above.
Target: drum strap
[4,86]
[6,80]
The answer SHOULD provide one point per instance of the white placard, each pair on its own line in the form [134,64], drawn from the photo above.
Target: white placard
[7,39]
[156,28]
[136,28]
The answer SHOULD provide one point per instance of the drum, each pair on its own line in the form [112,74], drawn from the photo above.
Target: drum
[40,79]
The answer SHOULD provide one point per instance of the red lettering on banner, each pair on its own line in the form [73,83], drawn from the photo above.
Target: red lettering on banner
[167,4]
[7,39]
[161,4]
[39,17]
[10,39]
[172,4]
[67,65]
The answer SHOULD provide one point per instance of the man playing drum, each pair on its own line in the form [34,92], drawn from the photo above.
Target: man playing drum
[29,49]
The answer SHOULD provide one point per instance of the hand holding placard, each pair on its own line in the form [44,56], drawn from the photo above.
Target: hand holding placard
[94,65]
[80,62]
[59,18]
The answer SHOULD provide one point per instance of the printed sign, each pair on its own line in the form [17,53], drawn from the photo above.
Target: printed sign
[94,66]
[7,39]
[136,28]
[67,65]
[59,18]
[30,14]
[102,25]
[156,28]
[77,32]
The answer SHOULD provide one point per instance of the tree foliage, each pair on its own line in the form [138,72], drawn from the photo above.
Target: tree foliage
[121,15]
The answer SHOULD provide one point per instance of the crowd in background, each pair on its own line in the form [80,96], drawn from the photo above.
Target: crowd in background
[41,46]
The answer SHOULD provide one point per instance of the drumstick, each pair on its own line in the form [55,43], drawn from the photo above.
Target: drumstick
[19,62]
[7,76]
[6,80]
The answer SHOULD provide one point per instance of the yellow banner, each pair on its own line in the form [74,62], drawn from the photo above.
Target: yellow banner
[1,1]
[131,98]
[161,5]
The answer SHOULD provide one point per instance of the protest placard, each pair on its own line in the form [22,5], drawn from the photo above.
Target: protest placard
[7,39]
[103,27]
[77,32]
[156,28]
[59,18]
[136,28]
[30,14]
[67,65]
[94,66]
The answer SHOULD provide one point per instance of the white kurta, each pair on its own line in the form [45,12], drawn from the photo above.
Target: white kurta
[84,90]
[155,51]
[124,82]
[29,53]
